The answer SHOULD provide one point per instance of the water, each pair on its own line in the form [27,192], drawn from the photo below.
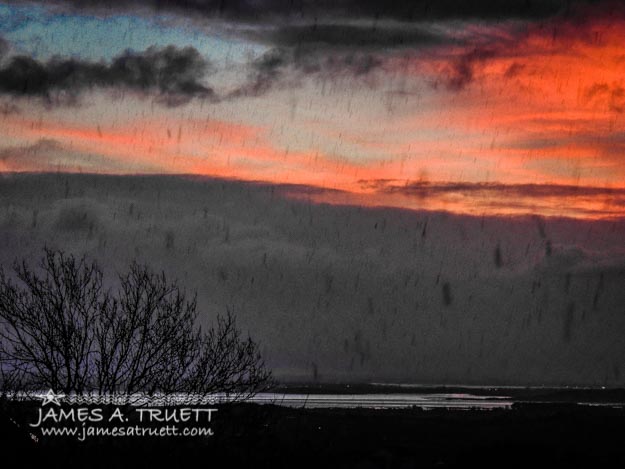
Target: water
[307,400]
[386,401]
[375,396]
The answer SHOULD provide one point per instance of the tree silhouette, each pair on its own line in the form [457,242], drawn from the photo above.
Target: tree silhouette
[62,329]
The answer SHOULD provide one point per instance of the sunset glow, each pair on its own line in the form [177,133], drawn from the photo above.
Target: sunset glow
[510,104]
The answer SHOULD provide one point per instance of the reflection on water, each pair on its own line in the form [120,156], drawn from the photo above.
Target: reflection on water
[385,401]
[396,396]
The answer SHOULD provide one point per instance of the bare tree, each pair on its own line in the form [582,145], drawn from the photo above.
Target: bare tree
[61,329]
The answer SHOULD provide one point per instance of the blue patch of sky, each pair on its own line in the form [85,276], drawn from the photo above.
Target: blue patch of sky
[33,30]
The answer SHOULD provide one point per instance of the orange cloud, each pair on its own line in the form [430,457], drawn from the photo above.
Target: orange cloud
[555,92]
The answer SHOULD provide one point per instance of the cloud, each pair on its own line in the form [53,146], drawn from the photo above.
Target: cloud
[341,37]
[363,36]
[264,10]
[366,294]
[4,47]
[281,66]
[425,189]
[264,73]
[49,155]
[328,51]
[610,95]
[569,34]
[460,71]
[8,108]
[368,24]
[558,200]
[354,63]
[174,75]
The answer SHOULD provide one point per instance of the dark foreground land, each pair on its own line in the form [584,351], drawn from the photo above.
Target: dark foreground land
[528,435]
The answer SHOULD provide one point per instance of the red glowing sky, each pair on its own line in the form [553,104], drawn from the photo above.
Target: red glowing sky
[528,104]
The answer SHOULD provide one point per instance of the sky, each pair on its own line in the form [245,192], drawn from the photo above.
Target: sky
[419,191]
[481,108]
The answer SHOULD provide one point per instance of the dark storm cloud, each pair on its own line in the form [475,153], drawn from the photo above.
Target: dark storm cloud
[246,10]
[322,39]
[463,51]
[173,74]
[369,24]
[372,35]
[281,65]
[331,50]
[336,37]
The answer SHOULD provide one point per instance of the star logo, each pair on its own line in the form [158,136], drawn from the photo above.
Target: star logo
[51,398]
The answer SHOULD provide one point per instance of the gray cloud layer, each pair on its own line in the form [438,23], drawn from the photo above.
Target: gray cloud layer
[355,293]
